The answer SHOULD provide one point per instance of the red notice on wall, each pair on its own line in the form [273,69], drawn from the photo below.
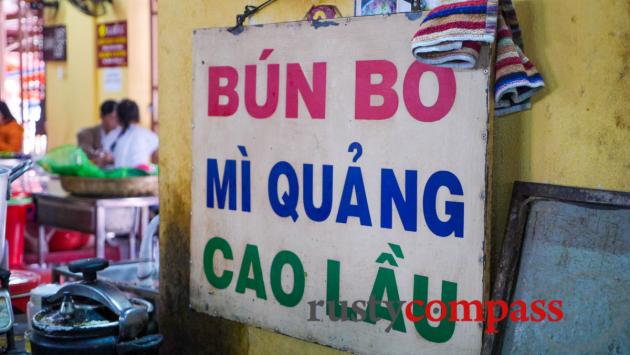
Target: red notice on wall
[111,44]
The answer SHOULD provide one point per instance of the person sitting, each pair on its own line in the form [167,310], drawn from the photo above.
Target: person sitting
[96,141]
[135,146]
[11,133]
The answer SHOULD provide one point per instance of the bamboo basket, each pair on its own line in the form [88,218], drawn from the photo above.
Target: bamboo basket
[123,187]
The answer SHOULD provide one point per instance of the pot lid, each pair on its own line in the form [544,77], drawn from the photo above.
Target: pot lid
[91,305]
[76,318]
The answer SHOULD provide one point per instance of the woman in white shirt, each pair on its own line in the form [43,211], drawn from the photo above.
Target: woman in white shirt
[134,145]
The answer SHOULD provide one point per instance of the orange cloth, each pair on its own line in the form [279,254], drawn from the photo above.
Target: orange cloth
[11,137]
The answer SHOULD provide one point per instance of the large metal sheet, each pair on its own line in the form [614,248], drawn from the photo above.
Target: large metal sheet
[584,252]
[447,148]
[564,248]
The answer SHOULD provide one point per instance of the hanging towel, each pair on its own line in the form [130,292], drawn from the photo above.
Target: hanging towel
[452,34]
[516,79]
[509,15]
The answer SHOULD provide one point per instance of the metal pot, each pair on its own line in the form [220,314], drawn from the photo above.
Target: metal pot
[93,317]
[7,176]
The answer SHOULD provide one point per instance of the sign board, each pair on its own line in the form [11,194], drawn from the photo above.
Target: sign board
[111,44]
[333,177]
[112,79]
[54,43]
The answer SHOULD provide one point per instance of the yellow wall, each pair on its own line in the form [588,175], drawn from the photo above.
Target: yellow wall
[577,134]
[116,12]
[74,88]
[70,85]
[139,66]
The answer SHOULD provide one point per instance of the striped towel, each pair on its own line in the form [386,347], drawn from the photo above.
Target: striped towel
[452,34]
[515,77]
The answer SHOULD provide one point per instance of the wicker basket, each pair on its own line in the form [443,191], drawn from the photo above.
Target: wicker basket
[124,187]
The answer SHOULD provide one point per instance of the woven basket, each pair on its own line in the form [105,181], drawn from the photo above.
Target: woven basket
[124,187]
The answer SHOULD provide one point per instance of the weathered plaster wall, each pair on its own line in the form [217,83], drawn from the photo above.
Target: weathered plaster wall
[577,134]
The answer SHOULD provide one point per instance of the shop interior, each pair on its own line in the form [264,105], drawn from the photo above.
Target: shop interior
[46,71]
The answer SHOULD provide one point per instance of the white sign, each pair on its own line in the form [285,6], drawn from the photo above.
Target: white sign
[112,79]
[336,180]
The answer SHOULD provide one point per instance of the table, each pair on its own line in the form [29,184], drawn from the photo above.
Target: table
[98,216]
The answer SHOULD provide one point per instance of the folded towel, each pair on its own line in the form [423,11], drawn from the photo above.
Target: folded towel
[452,34]
[446,33]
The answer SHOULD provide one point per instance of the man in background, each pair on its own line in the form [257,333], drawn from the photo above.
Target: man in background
[96,141]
